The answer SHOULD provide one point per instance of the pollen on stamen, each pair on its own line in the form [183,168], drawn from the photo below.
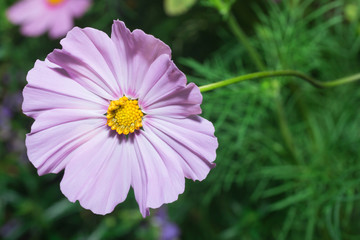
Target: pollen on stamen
[124,115]
[55,2]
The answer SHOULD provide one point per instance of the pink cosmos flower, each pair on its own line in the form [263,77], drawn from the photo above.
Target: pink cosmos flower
[116,112]
[39,16]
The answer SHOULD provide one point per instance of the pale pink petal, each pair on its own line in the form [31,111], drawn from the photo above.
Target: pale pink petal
[137,51]
[164,91]
[60,24]
[98,175]
[34,21]
[57,134]
[91,55]
[37,16]
[23,11]
[52,88]
[138,176]
[161,77]
[82,73]
[182,102]
[191,138]
[78,7]
[159,178]
[35,26]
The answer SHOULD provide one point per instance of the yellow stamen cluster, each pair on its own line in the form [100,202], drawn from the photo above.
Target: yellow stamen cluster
[55,2]
[124,115]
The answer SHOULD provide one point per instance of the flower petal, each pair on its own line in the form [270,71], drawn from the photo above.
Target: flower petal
[161,78]
[52,88]
[92,56]
[137,51]
[158,179]
[98,175]
[36,25]
[60,24]
[191,138]
[164,91]
[180,103]
[78,7]
[57,134]
[37,16]
[20,12]
[138,175]
[82,74]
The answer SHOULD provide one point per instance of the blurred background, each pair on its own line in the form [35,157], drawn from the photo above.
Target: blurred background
[288,162]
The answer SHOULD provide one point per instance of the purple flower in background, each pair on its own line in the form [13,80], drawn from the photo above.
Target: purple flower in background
[116,112]
[14,140]
[5,126]
[9,228]
[11,104]
[38,16]
[168,230]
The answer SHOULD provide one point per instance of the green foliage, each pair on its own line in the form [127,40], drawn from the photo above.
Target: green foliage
[308,188]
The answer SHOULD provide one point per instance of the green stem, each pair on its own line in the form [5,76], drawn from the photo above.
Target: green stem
[281,73]
[284,128]
[255,57]
[238,32]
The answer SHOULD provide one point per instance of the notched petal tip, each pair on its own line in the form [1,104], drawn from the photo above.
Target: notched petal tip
[145,213]
[139,35]
[75,30]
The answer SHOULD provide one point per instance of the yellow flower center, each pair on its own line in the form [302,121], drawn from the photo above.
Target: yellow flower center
[55,2]
[124,115]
